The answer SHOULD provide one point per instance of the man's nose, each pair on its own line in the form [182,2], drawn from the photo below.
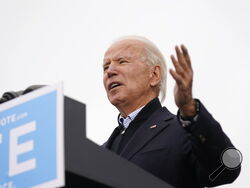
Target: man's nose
[112,70]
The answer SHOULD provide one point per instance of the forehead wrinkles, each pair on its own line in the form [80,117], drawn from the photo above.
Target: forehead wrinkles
[128,51]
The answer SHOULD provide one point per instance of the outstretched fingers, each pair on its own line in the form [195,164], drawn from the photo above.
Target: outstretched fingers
[181,58]
[176,76]
[186,55]
[182,63]
[183,75]
[178,68]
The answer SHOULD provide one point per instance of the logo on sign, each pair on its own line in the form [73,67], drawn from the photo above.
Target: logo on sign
[29,143]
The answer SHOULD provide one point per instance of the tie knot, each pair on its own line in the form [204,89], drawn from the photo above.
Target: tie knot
[121,120]
[121,126]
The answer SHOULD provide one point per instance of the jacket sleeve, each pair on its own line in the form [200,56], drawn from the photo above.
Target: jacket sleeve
[208,144]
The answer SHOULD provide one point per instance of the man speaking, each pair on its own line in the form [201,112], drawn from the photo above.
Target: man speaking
[182,149]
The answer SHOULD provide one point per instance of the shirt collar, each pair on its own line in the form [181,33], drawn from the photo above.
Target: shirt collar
[126,121]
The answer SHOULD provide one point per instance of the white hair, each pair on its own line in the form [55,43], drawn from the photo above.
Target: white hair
[153,57]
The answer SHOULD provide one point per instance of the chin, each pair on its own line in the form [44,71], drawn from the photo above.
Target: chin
[116,100]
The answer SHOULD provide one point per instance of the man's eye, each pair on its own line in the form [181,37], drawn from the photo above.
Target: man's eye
[123,61]
[105,68]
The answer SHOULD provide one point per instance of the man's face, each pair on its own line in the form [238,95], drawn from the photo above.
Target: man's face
[126,77]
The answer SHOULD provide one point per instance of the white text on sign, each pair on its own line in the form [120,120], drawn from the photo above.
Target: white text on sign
[18,149]
[12,118]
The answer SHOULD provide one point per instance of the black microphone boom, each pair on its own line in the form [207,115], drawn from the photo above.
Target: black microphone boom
[14,94]
[32,88]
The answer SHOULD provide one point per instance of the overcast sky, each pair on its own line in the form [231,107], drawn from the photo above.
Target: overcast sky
[46,41]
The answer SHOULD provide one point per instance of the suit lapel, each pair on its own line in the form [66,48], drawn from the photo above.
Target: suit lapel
[156,123]
[111,138]
[146,111]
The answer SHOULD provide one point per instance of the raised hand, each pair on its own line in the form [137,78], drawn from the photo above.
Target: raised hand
[183,75]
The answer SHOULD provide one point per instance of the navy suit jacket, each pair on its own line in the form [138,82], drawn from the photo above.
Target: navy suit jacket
[183,157]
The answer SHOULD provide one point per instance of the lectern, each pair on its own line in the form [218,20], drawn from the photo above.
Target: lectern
[90,165]
[33,150]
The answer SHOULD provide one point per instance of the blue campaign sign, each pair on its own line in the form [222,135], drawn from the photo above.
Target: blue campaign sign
[31,140]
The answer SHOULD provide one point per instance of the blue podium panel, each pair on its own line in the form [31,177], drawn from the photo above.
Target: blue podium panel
[31,140]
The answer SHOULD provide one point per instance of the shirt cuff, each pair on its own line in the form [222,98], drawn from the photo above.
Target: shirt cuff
[185,122]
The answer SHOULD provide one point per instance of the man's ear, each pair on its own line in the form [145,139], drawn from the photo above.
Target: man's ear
[155,75]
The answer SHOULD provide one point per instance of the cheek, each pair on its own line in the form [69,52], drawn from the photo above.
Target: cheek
[104,82]
[141,78]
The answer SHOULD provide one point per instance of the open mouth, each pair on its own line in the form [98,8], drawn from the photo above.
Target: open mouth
[114,85]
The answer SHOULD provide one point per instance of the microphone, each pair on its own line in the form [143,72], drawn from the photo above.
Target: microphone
[14,94]
[10,95]
[32,88]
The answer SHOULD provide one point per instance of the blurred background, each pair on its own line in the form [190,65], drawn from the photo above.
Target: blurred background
[47,41]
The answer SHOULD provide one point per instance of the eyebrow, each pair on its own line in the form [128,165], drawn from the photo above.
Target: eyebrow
[120,58]
[105,64]
[107,60]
